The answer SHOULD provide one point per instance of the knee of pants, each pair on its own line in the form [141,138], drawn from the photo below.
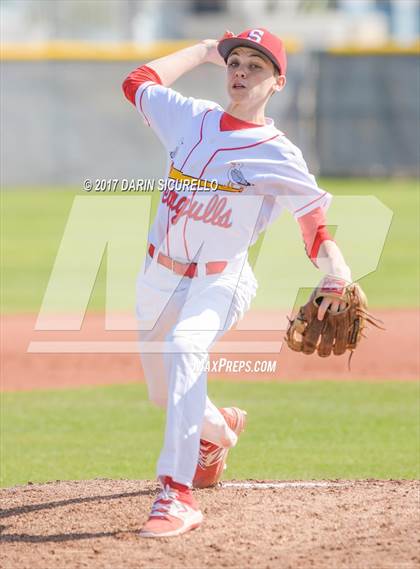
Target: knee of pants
[187,342]
[186,346]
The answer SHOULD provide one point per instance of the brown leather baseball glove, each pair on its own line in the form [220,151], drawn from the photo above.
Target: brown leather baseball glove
[337,331]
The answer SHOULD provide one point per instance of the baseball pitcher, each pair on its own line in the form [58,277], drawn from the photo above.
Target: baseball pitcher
[230,173]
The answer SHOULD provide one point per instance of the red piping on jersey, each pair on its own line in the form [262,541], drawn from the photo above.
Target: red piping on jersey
[314,232]
[193,193]
[140,103]
[208,162]
[310,203]
[200,139]
[183,233]
[235,148]
[167,232]
[136,78]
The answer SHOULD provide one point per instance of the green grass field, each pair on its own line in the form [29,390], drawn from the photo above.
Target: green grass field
[296,430]
[310,430]
[33,224]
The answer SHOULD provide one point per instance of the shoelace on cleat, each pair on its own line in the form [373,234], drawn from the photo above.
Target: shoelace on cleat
[167,503]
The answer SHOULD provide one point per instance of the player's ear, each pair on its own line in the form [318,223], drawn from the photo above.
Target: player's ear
[280,82]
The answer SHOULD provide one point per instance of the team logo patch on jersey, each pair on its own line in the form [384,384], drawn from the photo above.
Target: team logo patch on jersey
[236,178]
[179,176]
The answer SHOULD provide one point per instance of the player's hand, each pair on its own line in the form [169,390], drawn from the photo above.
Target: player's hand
[213,56]
[331,304]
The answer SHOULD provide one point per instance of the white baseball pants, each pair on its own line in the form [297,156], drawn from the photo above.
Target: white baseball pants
[179,320]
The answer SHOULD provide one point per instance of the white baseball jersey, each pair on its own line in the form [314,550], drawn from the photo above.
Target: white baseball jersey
[224,186]
[241,180]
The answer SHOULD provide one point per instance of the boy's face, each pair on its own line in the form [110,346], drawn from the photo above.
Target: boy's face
[251,76]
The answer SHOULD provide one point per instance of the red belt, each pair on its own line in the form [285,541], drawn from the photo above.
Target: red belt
[186,269]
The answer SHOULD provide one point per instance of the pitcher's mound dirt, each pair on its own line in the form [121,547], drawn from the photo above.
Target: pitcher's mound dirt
[364,524]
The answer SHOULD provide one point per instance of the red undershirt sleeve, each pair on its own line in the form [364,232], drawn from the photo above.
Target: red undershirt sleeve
[314,232]
[137,78]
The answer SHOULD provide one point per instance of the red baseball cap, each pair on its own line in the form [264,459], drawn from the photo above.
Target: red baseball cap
[259,39]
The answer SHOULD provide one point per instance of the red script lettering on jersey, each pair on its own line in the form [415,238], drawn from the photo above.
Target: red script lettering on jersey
[214,211]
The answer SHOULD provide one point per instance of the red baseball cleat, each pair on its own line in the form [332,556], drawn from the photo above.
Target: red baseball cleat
[212,458]
[173,512]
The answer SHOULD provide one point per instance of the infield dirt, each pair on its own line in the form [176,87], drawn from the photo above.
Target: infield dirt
[346,524]
[390,354]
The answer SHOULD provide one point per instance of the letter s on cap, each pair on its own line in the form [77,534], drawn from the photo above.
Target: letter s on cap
[256,35]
